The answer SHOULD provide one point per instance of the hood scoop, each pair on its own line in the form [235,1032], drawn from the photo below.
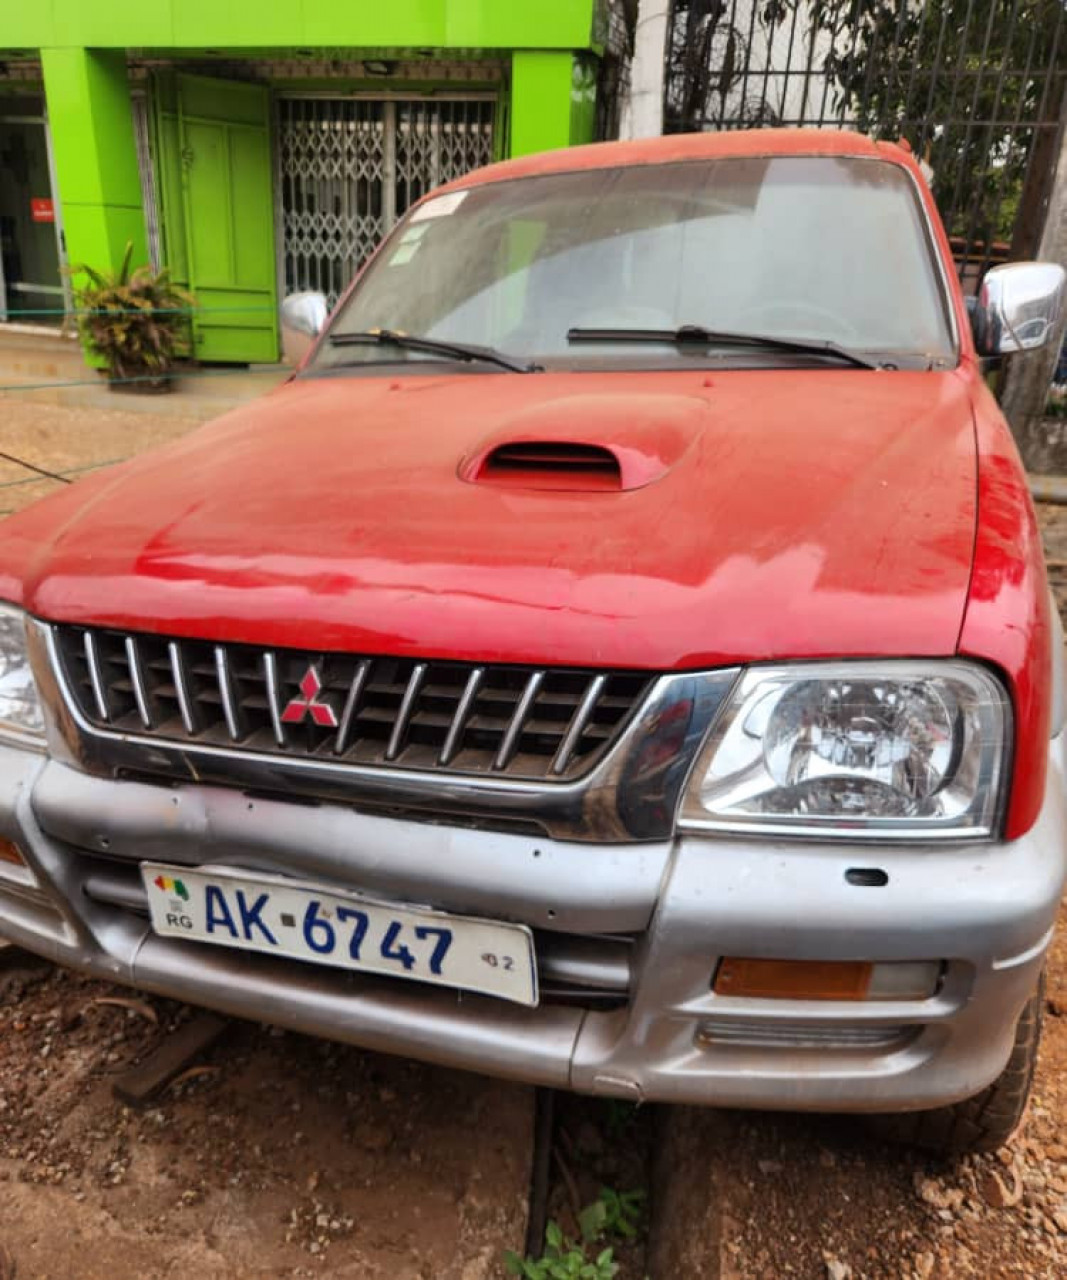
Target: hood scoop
[588,443]
[550,464]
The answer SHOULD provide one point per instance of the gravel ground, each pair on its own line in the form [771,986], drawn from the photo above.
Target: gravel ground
[276,1155]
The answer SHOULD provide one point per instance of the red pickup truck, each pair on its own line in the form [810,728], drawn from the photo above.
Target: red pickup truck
[620,658]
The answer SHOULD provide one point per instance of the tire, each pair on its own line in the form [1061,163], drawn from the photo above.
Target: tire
[986,1121]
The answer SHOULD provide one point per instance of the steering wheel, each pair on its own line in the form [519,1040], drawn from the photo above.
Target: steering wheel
[831,324]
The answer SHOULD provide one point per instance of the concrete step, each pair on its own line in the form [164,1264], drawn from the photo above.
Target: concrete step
[33,353]
[1049,489]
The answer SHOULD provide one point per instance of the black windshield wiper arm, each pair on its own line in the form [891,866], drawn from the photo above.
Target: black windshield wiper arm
[411,342]
[696,335]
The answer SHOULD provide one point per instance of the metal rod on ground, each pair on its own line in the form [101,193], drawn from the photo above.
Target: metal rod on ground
[142,1084]
[537,1215]
[32,466]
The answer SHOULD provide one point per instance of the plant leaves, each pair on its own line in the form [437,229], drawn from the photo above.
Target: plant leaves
[592,1220]
[135,321]
[125,268]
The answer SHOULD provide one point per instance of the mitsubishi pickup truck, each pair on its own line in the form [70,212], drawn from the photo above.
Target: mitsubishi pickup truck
[619,658]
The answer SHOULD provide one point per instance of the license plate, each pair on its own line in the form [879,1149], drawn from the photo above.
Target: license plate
[282,917]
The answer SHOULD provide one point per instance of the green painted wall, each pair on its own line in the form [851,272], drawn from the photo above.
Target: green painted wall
[253,24]
[553,98]
[95,156]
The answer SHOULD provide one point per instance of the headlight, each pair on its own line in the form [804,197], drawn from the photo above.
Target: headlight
[853,750]
[20,708]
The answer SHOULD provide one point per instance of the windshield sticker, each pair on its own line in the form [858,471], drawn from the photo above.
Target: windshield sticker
[439,208]
[403,252]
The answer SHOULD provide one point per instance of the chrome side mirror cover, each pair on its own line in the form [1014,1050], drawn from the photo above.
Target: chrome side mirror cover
[303,317]
[1019,308]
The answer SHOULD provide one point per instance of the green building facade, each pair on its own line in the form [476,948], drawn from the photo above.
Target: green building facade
[258,147]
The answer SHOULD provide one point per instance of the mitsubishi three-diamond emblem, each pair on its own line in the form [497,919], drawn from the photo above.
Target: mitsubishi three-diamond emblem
[309,705]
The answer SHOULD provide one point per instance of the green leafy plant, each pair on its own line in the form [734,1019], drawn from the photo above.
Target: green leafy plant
[134,321]
[612,1213]
[563,1259]
[616,1213]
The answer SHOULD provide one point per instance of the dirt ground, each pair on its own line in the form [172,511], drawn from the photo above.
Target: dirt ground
[278,1156]
[70,442]
[283,1156]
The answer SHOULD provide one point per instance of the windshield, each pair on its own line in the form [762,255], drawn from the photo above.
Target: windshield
[811,248]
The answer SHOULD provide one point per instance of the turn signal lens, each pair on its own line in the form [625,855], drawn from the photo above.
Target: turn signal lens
[792,979]
[10,853]
[826,980]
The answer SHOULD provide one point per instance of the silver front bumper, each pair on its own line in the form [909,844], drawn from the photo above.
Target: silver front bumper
[986,910]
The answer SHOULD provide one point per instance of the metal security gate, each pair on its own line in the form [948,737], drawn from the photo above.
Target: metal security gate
[976,87]
[349,167]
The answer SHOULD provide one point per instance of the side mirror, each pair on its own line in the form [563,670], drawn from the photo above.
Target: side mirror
[303,318]
[1018,308]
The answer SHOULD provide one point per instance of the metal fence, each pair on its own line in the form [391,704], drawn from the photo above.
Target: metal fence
[349,167]
[976,87]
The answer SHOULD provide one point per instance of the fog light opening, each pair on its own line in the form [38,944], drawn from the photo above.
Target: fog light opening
[914,980]
[826,979]
[9,852]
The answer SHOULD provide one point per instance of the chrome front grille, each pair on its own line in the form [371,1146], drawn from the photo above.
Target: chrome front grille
[547,724]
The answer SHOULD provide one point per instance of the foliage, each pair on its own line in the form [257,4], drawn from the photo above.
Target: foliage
[613,1213]
[563,1259]
[954,77]
[134,321]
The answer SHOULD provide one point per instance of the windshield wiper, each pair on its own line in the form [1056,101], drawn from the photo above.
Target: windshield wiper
[411,342]
[696,335]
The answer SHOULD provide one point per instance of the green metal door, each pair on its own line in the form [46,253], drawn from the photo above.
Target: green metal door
[213,144]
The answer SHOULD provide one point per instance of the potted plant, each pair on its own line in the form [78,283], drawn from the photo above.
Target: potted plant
[134,322]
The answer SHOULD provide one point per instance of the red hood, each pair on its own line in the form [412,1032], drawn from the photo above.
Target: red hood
[785,513]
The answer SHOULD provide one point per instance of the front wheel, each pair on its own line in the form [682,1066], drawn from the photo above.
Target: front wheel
[986,1121]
